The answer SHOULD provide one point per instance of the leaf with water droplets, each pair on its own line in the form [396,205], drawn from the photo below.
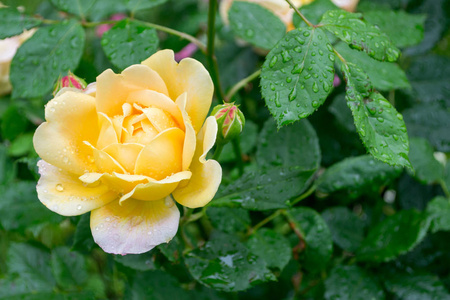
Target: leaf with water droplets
[438,211]
[256,24]
[356,176]
[393,236]
[352,283]
[76,7]
[265,189]
[293,145]
[380,126]
[52,51]
[359,34]
[137,5]
[12,22]
[313,12]
[311,74]
[316,235]
[129,42]
[225,264]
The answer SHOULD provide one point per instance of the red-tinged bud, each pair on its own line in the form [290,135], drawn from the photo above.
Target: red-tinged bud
[69,81]
[230,121]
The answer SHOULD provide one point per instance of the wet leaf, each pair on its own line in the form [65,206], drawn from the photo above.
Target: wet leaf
[140,262]
[12,22]
[297,75]
[137,5]
[79,8]
[255,24]
[313,12]
[438,211]
[229,220]
[226,264]
[426,168]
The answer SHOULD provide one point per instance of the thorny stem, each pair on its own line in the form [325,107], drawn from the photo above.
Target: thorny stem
[241,84]
[212,61]
[300,14]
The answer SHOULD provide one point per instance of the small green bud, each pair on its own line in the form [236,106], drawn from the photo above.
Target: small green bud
[69,81]
[230,121]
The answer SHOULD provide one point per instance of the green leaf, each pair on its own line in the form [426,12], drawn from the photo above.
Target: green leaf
[226,264]
[173,250]
[393,236]
[229,220]
[140,262]
[356,176]
[76,7]
[358,34]
[430,121]
[82,239]
[313,12]
[22,145]
[346,228]
[380,126]
[293,145]
[157,285]
[316,235]
[416,286]
[427,169]
[352,283]
[264,190]
[69,268]
[13,123]
[256,24]
[247,139]
[385,76]
[297,75]
[18,200]
[7,169]
[49,53]
[32,265]
[271,246]
[389,21]
[429,76]
[438,211]
[12,22]
[137,5]
[129,42]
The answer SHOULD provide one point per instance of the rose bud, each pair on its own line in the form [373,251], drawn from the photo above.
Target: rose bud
[70,81]
[230,121]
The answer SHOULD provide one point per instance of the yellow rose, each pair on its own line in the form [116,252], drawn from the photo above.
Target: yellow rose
[282,9]
[8,48]
[122,148]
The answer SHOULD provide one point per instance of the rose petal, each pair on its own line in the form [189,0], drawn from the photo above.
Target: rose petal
[162,157]
[189,76]
[155,190]
[108,134]
[206,174]
[71,119]
[66,195]
[125,154]
[134,227]
[105,162]
[189,139]
[113,89]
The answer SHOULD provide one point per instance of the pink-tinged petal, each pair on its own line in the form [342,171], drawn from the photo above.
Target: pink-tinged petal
[66,195]
[135,226]
[155,190]
[187,51]
[113,89]
[71,120]
[147,98]
[190,77]
[162,157]
[189,139]
[125,154]
[206,174]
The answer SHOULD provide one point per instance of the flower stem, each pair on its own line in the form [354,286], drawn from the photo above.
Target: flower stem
[264,222]
[212,61]
[218,151]
[305,195]
[300,14]
[241,84]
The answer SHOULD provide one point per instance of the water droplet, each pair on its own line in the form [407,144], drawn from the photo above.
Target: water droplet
[59,187]
[288,79]
[79,207]
[315,104]
[250,33]
[273,61]
[168,202]
[286,57]
[293,94]
[306,33]
[380,119]
[315,87]
[372,110]
[326,86]
[298,49]
[331,57]
[313,53]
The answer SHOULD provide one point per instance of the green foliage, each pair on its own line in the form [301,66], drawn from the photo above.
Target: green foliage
[129,42]
[12,22]
[427,168]
[314,11]
[297,75]
[357,33]
[48,54]
[438,210]
[77,7]
[255,24]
